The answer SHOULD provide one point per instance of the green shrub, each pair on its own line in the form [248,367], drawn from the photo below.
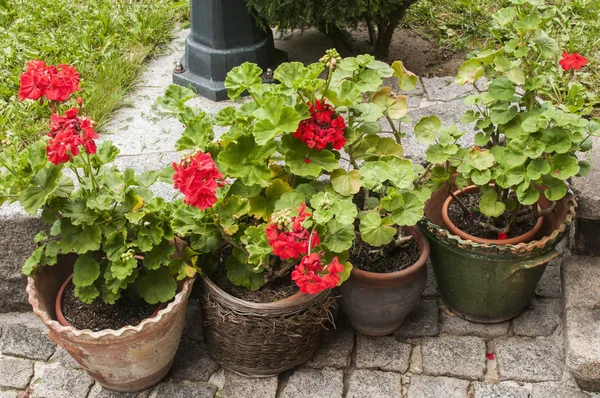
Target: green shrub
[331,17]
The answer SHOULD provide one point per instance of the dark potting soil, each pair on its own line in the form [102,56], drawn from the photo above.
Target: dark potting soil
[471,225]
[371,259]
[128,310]
[279,289]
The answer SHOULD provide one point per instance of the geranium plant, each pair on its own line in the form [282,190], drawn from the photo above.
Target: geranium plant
[527,142]
[274,195]
[121,233]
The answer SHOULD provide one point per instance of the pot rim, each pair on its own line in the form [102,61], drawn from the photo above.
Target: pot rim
[434,230]
[55,326]
[58,304]
[391,278]
[450,226]
[297,299]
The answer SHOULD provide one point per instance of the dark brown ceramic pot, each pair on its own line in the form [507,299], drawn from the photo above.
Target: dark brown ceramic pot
[377,303]
[130,359]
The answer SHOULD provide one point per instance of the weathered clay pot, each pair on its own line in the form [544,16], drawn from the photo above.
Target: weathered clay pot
[130,359]
[526,237]
[377,303]
[490,283]
[262,339]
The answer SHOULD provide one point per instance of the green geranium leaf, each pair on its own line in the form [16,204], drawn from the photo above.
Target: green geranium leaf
[289,200]
[367,112]
[505,16]
[481,177]
[307,162]
[537,168]
[33,261]
[489,205]
[255,240]
[122,268]
[159,255]
[584,168]
[410,211]
[530,22]
[564,166]
[396,107]
[345,211]
[242,78]
[527,194]
[555,188]
[427,128]
[374,174]
[245,159]
[292,74]
[174,98]
[557,140]
[79,214]
[376,231]
[231,210]
[239,273]
[274,117]
[263,207]
[86,294]
[407,81]
[42,185]
[79,239]
[198,134]
[114,245]
[368,81]
[469,72]
[345,183]
[516,75]
[345,94]
[107,152]
[157,286]
[339,236]
[501,89]
[85,271]
[481,159]
[502,113]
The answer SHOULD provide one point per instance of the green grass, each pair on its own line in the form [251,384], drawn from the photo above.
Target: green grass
[106,40]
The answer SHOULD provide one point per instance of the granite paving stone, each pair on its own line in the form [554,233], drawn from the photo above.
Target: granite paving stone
[431,288]
[373,383]
[528,360]
[459,327]
[541,319]
[315,383]
[53,381]
[550,285]
[485,390]
[237,386]
[15,372]
[542,391]
[456,356]
[445,89]
[581,276]
[26,341]
[192,362]
[422,321]
[183,390]
[98,392]
[384,353]
[583,346]
[430,387]
[10,394]
[62,357]
[335,349]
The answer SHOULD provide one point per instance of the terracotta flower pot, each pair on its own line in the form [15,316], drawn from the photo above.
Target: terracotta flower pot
[262,339]
[130,359]
[377,303]
[526,237]
[490,283]
[58,304]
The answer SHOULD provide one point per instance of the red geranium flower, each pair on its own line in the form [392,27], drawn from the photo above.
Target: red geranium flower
[287,236]
[67,133]
[323,128]
[198,178]
[502,236]
[572,61]
[41,80]
[311,277]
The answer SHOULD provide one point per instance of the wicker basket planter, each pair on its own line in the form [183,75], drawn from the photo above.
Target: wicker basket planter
[262,339]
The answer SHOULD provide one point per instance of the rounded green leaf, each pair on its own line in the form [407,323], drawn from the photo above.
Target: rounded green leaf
[427,128]
[501,89]
[339,237]
[85,271]
[376,231]
[564,166]
[469,72]
[345,183]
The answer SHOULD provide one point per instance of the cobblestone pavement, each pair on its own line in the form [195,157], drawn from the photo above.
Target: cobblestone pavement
[434,355]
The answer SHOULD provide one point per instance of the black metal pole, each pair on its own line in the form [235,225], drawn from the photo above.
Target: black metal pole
[224,34]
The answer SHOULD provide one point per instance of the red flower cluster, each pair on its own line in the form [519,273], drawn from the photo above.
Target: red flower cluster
[502,236]
[287,236]
[572,61]
[41,80]
[198,178]
[323,128]
[67,134]
[311,277]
